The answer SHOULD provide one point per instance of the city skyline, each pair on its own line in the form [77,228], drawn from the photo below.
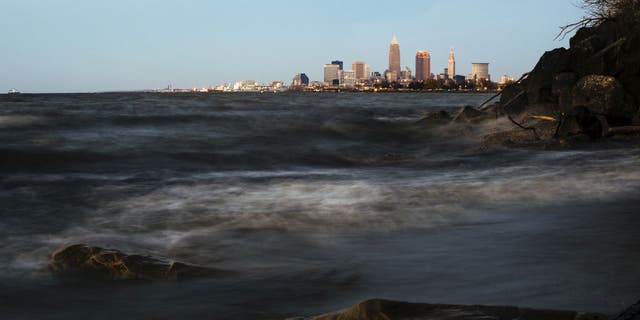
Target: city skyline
[80,47]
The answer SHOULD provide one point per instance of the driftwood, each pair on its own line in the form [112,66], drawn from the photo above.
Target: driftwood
[624,130]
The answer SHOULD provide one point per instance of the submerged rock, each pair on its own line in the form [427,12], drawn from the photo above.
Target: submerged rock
[469,114]
[86,261]
[394,310]
[438,117]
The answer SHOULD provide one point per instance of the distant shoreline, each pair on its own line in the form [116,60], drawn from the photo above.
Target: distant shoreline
[258,92]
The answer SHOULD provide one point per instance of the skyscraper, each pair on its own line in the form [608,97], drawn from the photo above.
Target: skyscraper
[338,63]
[452,65]
[394,56]
[331,74]
[423,65]
[360,69]
[300,79]
[347,78]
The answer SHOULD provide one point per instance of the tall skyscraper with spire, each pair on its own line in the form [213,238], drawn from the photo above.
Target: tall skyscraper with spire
[452,64]
[394,56]
[423,65]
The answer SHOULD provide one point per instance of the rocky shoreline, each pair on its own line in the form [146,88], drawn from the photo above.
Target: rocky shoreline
[588,92]
[395,310]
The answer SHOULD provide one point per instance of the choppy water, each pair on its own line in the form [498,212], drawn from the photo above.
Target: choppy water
[316,201]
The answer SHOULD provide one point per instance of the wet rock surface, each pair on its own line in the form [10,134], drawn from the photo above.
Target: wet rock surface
[82,261]
[394,310]
[600,72]
[631,313]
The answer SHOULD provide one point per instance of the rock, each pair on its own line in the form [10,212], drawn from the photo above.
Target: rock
[393,310]
[518,136]
[438,117]
[540,81]
[628,64]
[580,120]
[516,98]
[591,49]
[604,95]
[495,110]
[562,87]
[631,313]
[94,262]
[469,114]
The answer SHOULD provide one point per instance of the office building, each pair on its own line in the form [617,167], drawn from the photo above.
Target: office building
[360,68]
[347,78]
[331,74]
[452,65]
[300,80]
[394,58]
[338,63]
[405,75]
[423,65]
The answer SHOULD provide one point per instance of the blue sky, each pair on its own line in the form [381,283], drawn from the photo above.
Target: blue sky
[90,45]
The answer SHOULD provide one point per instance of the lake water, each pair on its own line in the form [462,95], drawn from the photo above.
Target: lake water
[315,201]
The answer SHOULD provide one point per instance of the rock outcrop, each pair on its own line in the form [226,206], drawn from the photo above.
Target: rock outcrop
[631,313]
[596,80]
[94,262]
[437,117]
[394,310]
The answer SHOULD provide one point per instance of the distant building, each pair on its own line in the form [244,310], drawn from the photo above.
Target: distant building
[338,63]
[405,75]
[376,76]
[247,85]
[300,80]
[452,65]
[394,58]
[360,68]
[347,78]
[505,79]
[459,79]
[331,74]
[391,76]
[480,71]
[423,65]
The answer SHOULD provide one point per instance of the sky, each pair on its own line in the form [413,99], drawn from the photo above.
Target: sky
[91,45]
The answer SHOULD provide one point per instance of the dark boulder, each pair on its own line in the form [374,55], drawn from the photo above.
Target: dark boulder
[539,84]
[594,50]
[580,120]
[438,117]
[495,110]
[94,262]
[469,114]
[604,95]
[514,99]
[631,313]
[562,87]
[628,64]
[393,310]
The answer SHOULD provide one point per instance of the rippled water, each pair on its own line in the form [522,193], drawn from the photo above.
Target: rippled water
[316,201]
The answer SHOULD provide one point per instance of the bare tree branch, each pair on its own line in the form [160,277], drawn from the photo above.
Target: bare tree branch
[599,11]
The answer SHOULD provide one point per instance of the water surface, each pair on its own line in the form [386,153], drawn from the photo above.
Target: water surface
[316,201]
